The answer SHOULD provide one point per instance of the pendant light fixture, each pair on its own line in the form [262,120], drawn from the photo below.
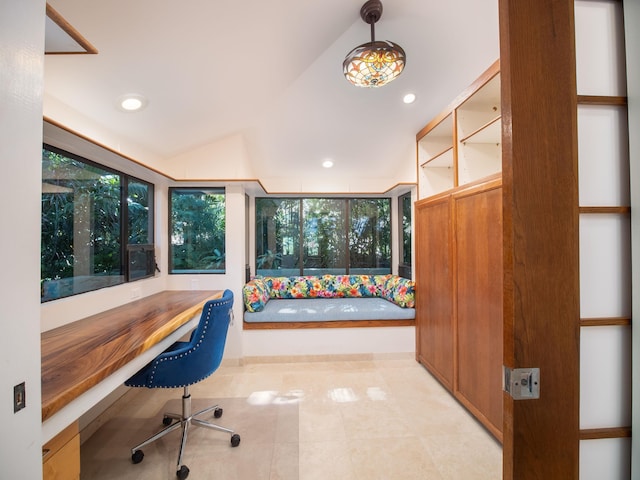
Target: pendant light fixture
[373,64]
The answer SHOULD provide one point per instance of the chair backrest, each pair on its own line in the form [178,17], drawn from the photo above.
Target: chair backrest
[186,363]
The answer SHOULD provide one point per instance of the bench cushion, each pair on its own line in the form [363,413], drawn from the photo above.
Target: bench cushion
[328,309]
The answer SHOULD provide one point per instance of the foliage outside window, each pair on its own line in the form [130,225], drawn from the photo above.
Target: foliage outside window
[404,206]
[84,228]
[197,230]
[312,236]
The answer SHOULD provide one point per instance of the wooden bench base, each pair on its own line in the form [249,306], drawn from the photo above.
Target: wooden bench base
[328,324]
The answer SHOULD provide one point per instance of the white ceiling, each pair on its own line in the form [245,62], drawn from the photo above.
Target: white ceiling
[270,71]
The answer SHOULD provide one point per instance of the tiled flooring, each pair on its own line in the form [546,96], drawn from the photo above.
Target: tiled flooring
[350,419]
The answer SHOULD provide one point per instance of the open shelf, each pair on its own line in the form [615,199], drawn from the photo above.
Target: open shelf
[462,144]
[488,133]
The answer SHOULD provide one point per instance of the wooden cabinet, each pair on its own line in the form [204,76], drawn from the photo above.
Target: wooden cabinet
[434,302]
[61,455]
[478,301]
[458,228]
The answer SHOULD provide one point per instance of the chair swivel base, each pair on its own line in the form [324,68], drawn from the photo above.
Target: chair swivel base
[173,421]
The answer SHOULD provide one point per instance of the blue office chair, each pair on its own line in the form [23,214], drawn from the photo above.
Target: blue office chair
[186,363]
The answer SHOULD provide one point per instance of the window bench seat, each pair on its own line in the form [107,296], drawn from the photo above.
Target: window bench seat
[329,312]
[82,356]
[328,301]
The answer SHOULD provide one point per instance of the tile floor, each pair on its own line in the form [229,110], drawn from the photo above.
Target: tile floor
[353,418]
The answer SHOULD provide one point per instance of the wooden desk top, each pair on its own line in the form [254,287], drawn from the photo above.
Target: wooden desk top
[77,356]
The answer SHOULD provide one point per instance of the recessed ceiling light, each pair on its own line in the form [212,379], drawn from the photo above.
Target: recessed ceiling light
[327,164]
[132,102]
[409,98]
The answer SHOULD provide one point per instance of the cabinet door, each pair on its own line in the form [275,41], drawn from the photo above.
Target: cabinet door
[478,253]
[434,289]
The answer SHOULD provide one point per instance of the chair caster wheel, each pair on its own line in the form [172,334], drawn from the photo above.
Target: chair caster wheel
[217,413]
[166,421]
[183,472]
[137,456]
[235,440]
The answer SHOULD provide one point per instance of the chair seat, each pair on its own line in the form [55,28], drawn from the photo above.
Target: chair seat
[184,364]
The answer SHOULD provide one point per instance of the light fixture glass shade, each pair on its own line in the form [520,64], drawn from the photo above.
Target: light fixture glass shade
[374,64]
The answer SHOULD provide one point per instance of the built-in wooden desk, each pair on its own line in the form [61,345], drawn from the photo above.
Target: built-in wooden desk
[79,356]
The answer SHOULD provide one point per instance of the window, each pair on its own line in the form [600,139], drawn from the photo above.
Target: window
[323,236]
[312,236]
[85,229]
[370,236]
[404,207]
[197,230]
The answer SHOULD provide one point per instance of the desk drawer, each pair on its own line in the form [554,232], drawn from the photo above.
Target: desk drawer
[61,455]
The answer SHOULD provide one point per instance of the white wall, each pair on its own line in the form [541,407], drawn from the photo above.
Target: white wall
[21,84]
[632,18]
[328,341]
[226,158]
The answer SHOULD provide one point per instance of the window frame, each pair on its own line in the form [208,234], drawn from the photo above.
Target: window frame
[302,269]
[405,269]
[170,208]
[124,232]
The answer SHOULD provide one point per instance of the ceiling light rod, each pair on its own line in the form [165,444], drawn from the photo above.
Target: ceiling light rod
[371,13]
[373,64]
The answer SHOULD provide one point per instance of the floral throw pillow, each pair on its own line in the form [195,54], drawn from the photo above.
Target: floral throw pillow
[255,295]
[380,282]
[278,286]
[400,291]
[351,286]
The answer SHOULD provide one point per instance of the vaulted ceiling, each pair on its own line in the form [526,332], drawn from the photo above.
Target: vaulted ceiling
[270,72]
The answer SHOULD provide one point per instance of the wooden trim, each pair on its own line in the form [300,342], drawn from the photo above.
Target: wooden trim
[483,185]
[436,156]
[479,129]
[604,322]
[601,210]
[437,120]
[72,32]
[487,183]
[541,235]
[326,324]
[600,433]
[601,100]
[456,150]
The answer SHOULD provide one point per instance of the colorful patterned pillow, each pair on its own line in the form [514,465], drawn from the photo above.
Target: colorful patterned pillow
[317,287]
[255,295]
[381,281]
[278,286]
[400,291]
[351,286]
[303,287]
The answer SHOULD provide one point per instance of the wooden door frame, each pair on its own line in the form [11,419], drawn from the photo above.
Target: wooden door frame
[541,242]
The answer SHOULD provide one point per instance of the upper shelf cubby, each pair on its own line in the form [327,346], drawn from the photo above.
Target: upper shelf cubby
[463,143]
[433,148]
[480,112]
